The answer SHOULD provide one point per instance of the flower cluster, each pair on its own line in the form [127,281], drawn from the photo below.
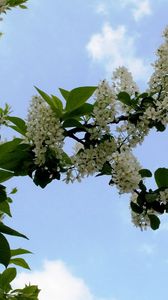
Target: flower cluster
[104,110]
[3,6]
[91,160]
[44,130]
[159,80]
[125,170]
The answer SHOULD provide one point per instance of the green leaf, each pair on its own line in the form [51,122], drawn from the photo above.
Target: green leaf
[161,177]
[106,170]
[66,158]
[19,251]
[125,98]
[5,208]
[70,123]
[145,173]
[4,251]
[83,110]
[50,102]
[15,157]
[20,124]
[8,276]
[5,175]
[136,208]
[20,262]
[7,230]
[160,127]
[14,191]
[154,221]
[64,93]
[57,102]
[23,6]
[28,293]
[42,177]
[151,197]
[79,96]
[3,195]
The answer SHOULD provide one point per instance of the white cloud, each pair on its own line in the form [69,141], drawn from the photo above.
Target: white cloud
[56,283]
[140,8]
[113,48]
[101,9]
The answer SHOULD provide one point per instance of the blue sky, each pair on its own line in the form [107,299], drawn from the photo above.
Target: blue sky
[84,245]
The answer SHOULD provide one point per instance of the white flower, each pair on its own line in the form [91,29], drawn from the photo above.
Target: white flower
[44,130]
[104,110]
[159,80]
[91,160]
[125,171]
[122,81]
[164,196]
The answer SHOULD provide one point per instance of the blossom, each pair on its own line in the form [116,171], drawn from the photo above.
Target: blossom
[3,6]
[104,110]
[159,80]
[163,196]
[91,160]
[122,81]
[44,130]
[125,170]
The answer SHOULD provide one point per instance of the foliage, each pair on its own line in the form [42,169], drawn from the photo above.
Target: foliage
[106,123]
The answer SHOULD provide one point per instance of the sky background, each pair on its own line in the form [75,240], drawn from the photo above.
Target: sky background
[85,246]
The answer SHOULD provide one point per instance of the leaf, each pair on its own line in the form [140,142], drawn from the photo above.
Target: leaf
[50,101]
[154,221]
[83,110]
[106,170]
[142,186]
[15,157]
[161,177]
[145,173]
[5,208]
[20,262]
[160,127]
[5,175]
[19,251]
[42,177]
[8,275]
[4,251]
[3,195]
[66,158]
[125,98]
[7,230]
[79,96]
[23,6]
[151,197]
[136,208]
[57,102]
[69,123]
[14,191]
[20,124]
[64,93]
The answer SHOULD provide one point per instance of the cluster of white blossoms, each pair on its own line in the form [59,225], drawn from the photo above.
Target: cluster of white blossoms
[125,170]
[163,196]
[44,130]
[122,81]
[91,160]
[159,79]
[104,110]
[3,6]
